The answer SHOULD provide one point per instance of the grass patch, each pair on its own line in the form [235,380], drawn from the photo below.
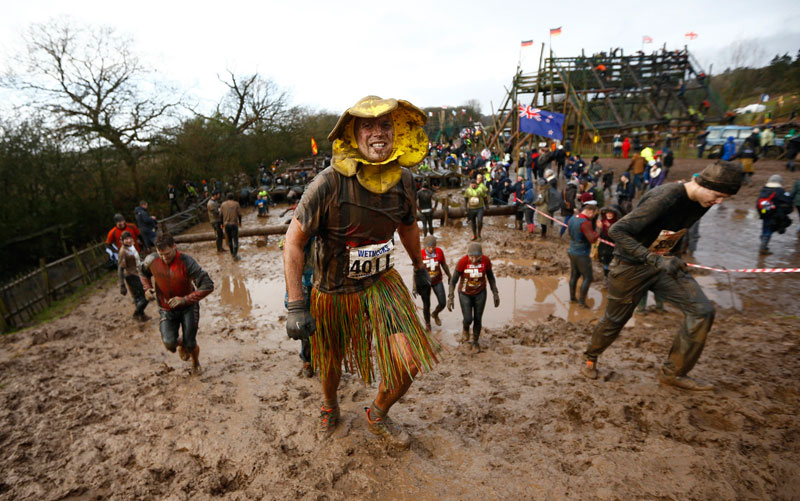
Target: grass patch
[66,305]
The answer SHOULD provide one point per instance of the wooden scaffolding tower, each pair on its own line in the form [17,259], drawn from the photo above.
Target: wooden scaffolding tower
[611,93]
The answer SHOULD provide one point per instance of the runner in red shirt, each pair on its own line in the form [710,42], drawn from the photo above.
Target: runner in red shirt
[472,271]
[178,283]
[434,260]
[115,234]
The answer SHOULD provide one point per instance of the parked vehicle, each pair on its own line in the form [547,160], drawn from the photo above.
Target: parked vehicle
[719,134]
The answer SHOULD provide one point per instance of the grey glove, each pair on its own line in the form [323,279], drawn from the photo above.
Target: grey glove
[496,296]
[422,281]
[299,323]
[671,265]
[122,289]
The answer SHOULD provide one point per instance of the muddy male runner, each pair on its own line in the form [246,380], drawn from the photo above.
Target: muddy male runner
[359,302]
[215,218]
[643,261]
[231,213]
[180,284]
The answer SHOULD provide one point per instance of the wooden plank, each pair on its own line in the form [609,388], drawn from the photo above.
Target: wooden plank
[46,287]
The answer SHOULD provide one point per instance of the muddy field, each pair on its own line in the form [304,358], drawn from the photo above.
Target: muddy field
[93,407]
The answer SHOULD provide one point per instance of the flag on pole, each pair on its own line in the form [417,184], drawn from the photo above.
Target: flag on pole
[647,39]
[314,149]
[540,122]
[527,43]
[691,35]
[555,31]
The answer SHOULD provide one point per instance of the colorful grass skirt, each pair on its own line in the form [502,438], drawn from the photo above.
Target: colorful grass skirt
[350,324]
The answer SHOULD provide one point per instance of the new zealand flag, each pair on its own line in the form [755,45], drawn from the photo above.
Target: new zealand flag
[540,122]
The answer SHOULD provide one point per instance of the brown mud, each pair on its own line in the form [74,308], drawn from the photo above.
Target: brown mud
[93,407]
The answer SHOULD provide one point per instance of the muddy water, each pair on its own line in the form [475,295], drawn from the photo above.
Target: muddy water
[730,238]
[252,291]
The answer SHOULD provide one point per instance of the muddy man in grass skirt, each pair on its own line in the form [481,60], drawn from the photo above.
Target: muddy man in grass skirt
[361,316]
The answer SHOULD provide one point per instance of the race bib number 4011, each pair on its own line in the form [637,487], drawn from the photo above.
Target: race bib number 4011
[369,260]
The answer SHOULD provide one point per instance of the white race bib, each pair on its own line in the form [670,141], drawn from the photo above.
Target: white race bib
[369,260]
[665,241]
[474,202]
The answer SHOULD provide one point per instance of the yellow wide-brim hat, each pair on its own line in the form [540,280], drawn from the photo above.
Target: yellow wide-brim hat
[410,140]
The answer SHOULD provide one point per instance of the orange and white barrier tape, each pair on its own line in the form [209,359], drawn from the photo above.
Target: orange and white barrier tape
[738,270]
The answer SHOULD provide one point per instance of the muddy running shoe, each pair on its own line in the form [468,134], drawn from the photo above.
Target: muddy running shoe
[183,353]
[474,348]
[308,371]
[328,420]
[435,317]
[684,382]
[428,328]
[590,369]
[393,433]
[465,336]
[197,369]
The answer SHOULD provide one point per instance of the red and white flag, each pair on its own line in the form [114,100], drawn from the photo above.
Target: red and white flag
[647,39]
[555,31]
[691,35]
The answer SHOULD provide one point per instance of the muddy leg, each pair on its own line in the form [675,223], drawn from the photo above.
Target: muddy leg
[386,397]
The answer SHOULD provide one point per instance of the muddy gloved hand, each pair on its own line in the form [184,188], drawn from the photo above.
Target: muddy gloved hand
[422,281]
[150,294]
[450,301]
[299,323]
[496,296]
[176,302]
[672,265]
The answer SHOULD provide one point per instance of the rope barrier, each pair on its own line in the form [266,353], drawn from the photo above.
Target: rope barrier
[738,270]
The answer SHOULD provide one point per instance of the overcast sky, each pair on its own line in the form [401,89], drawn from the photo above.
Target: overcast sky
[329,54]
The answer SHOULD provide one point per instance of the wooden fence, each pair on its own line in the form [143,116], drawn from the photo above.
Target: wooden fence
[25,296]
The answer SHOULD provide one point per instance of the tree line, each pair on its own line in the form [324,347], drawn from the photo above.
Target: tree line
[781,75]
[94,131]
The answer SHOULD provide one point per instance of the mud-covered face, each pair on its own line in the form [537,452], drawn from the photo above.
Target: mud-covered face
[375,137]
[127,241]
[430,250]
[475,259]
[167,254]
[121,224]
[707,198]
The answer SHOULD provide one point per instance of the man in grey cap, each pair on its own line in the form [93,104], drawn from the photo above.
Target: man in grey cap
[643,261]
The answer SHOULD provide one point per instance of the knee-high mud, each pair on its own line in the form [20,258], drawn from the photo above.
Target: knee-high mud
[93,407]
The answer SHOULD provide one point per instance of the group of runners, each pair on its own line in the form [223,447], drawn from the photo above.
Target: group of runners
[358,315]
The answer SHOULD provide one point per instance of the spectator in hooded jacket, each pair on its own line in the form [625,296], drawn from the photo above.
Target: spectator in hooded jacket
[795,197]
[568,206]
[147,224]
[625,193]
[728,149]
[774,206]
[626,147]
[748,155]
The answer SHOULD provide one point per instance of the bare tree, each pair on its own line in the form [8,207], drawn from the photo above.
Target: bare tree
[93,85]
[252,101]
